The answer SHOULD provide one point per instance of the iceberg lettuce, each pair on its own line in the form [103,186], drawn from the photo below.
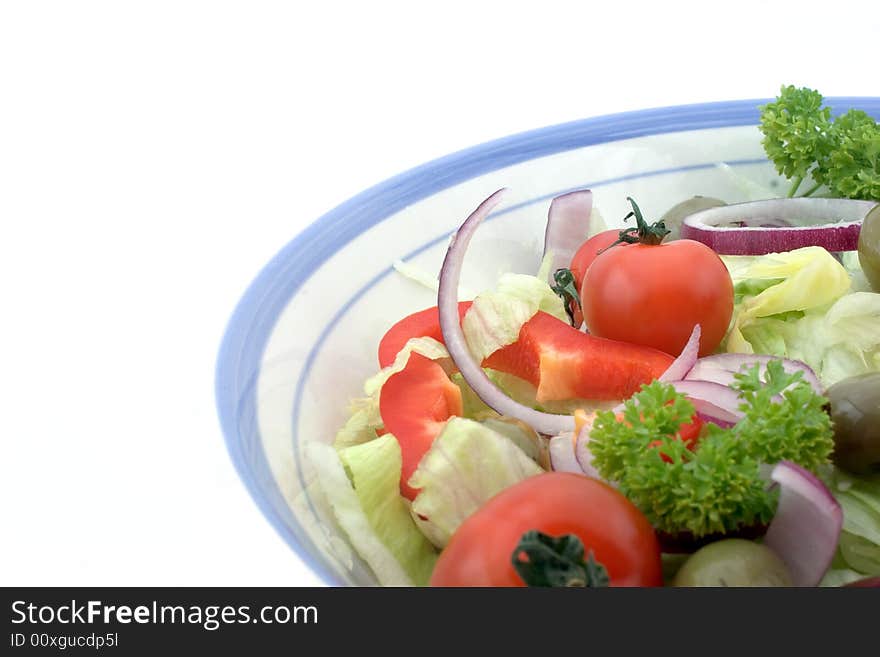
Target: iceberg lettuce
[859,548]
[467,464]
[495,318]
[362,485]
[801,305]
[805,278]
[365,418]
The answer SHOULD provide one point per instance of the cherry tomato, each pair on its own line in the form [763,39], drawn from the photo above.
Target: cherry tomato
[588,252]
[582,260]
[654,294]
[687,433]
[555,503]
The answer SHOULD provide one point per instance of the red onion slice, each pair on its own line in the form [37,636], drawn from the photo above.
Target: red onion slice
[583,454]
[713,402]
[686,359]
[721,368]
[568,224]
[724,423]
[450,326]
[712,399]
[806,528]
[776,225]
[562,455]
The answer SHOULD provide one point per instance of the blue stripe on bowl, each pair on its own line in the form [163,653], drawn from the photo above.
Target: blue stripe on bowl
[238,362]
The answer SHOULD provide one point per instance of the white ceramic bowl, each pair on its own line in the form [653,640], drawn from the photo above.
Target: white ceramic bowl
[294,355]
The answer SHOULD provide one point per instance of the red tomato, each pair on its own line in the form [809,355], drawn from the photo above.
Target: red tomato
[555,503]
[588,252]
[415,404]
[687,433]
[653,295]
[425,323]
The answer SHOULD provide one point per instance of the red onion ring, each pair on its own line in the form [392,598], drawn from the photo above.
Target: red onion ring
[562,454]
[583,454]
[450,327]
[720,368]
[762,225]
[806,528]
[712,399]
[568,224]
[686,359]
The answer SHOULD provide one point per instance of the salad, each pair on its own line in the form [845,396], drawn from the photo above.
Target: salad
[691,401]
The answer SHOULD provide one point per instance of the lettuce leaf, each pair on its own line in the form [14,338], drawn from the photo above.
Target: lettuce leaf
[427,347]
[361,425]
[362,485]
[837,342]
[808,278]
[365,418]
[859,547]
[495,318]
[467,464]
[801,305]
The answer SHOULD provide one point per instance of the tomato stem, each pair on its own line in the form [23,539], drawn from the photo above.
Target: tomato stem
[566,290]
[642,233]
[556,561]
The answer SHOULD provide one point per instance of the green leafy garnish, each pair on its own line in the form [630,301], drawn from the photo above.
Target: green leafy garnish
[543,560]
[716,487]
[803,141]
[853,169]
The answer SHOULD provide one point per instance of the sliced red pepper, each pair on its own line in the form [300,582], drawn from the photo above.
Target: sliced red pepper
[423,324]
[415,404]
[565,363]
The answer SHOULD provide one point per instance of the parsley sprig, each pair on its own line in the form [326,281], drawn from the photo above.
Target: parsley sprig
[803,141]
[717,487]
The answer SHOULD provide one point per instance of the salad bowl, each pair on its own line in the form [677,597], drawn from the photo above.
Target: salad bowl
[294,356]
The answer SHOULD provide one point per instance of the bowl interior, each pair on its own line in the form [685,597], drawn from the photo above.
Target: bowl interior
[304,337]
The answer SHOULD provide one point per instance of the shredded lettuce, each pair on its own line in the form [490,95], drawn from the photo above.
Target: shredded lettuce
[840,577]
[802,305]
[362,485]
[808,278]
[427,347]
[750,189]
[859,548]
[361,425]
[430,281]
[467,464]
[495,318]
[365,419]
[838,343]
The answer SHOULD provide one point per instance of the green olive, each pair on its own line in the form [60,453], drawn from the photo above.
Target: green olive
[855,411]
[676,214]
[869,247]
[733,562]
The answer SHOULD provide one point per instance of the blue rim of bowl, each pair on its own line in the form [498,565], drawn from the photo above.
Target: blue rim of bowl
[252,321]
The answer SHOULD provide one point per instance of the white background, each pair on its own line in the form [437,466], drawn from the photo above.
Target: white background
[154,155]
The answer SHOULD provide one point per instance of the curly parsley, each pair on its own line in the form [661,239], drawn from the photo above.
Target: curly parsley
[802,141]
[717,487]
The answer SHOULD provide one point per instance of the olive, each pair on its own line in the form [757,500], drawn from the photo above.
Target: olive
[869,247]
[676,214]
[855,412]
[733,562]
